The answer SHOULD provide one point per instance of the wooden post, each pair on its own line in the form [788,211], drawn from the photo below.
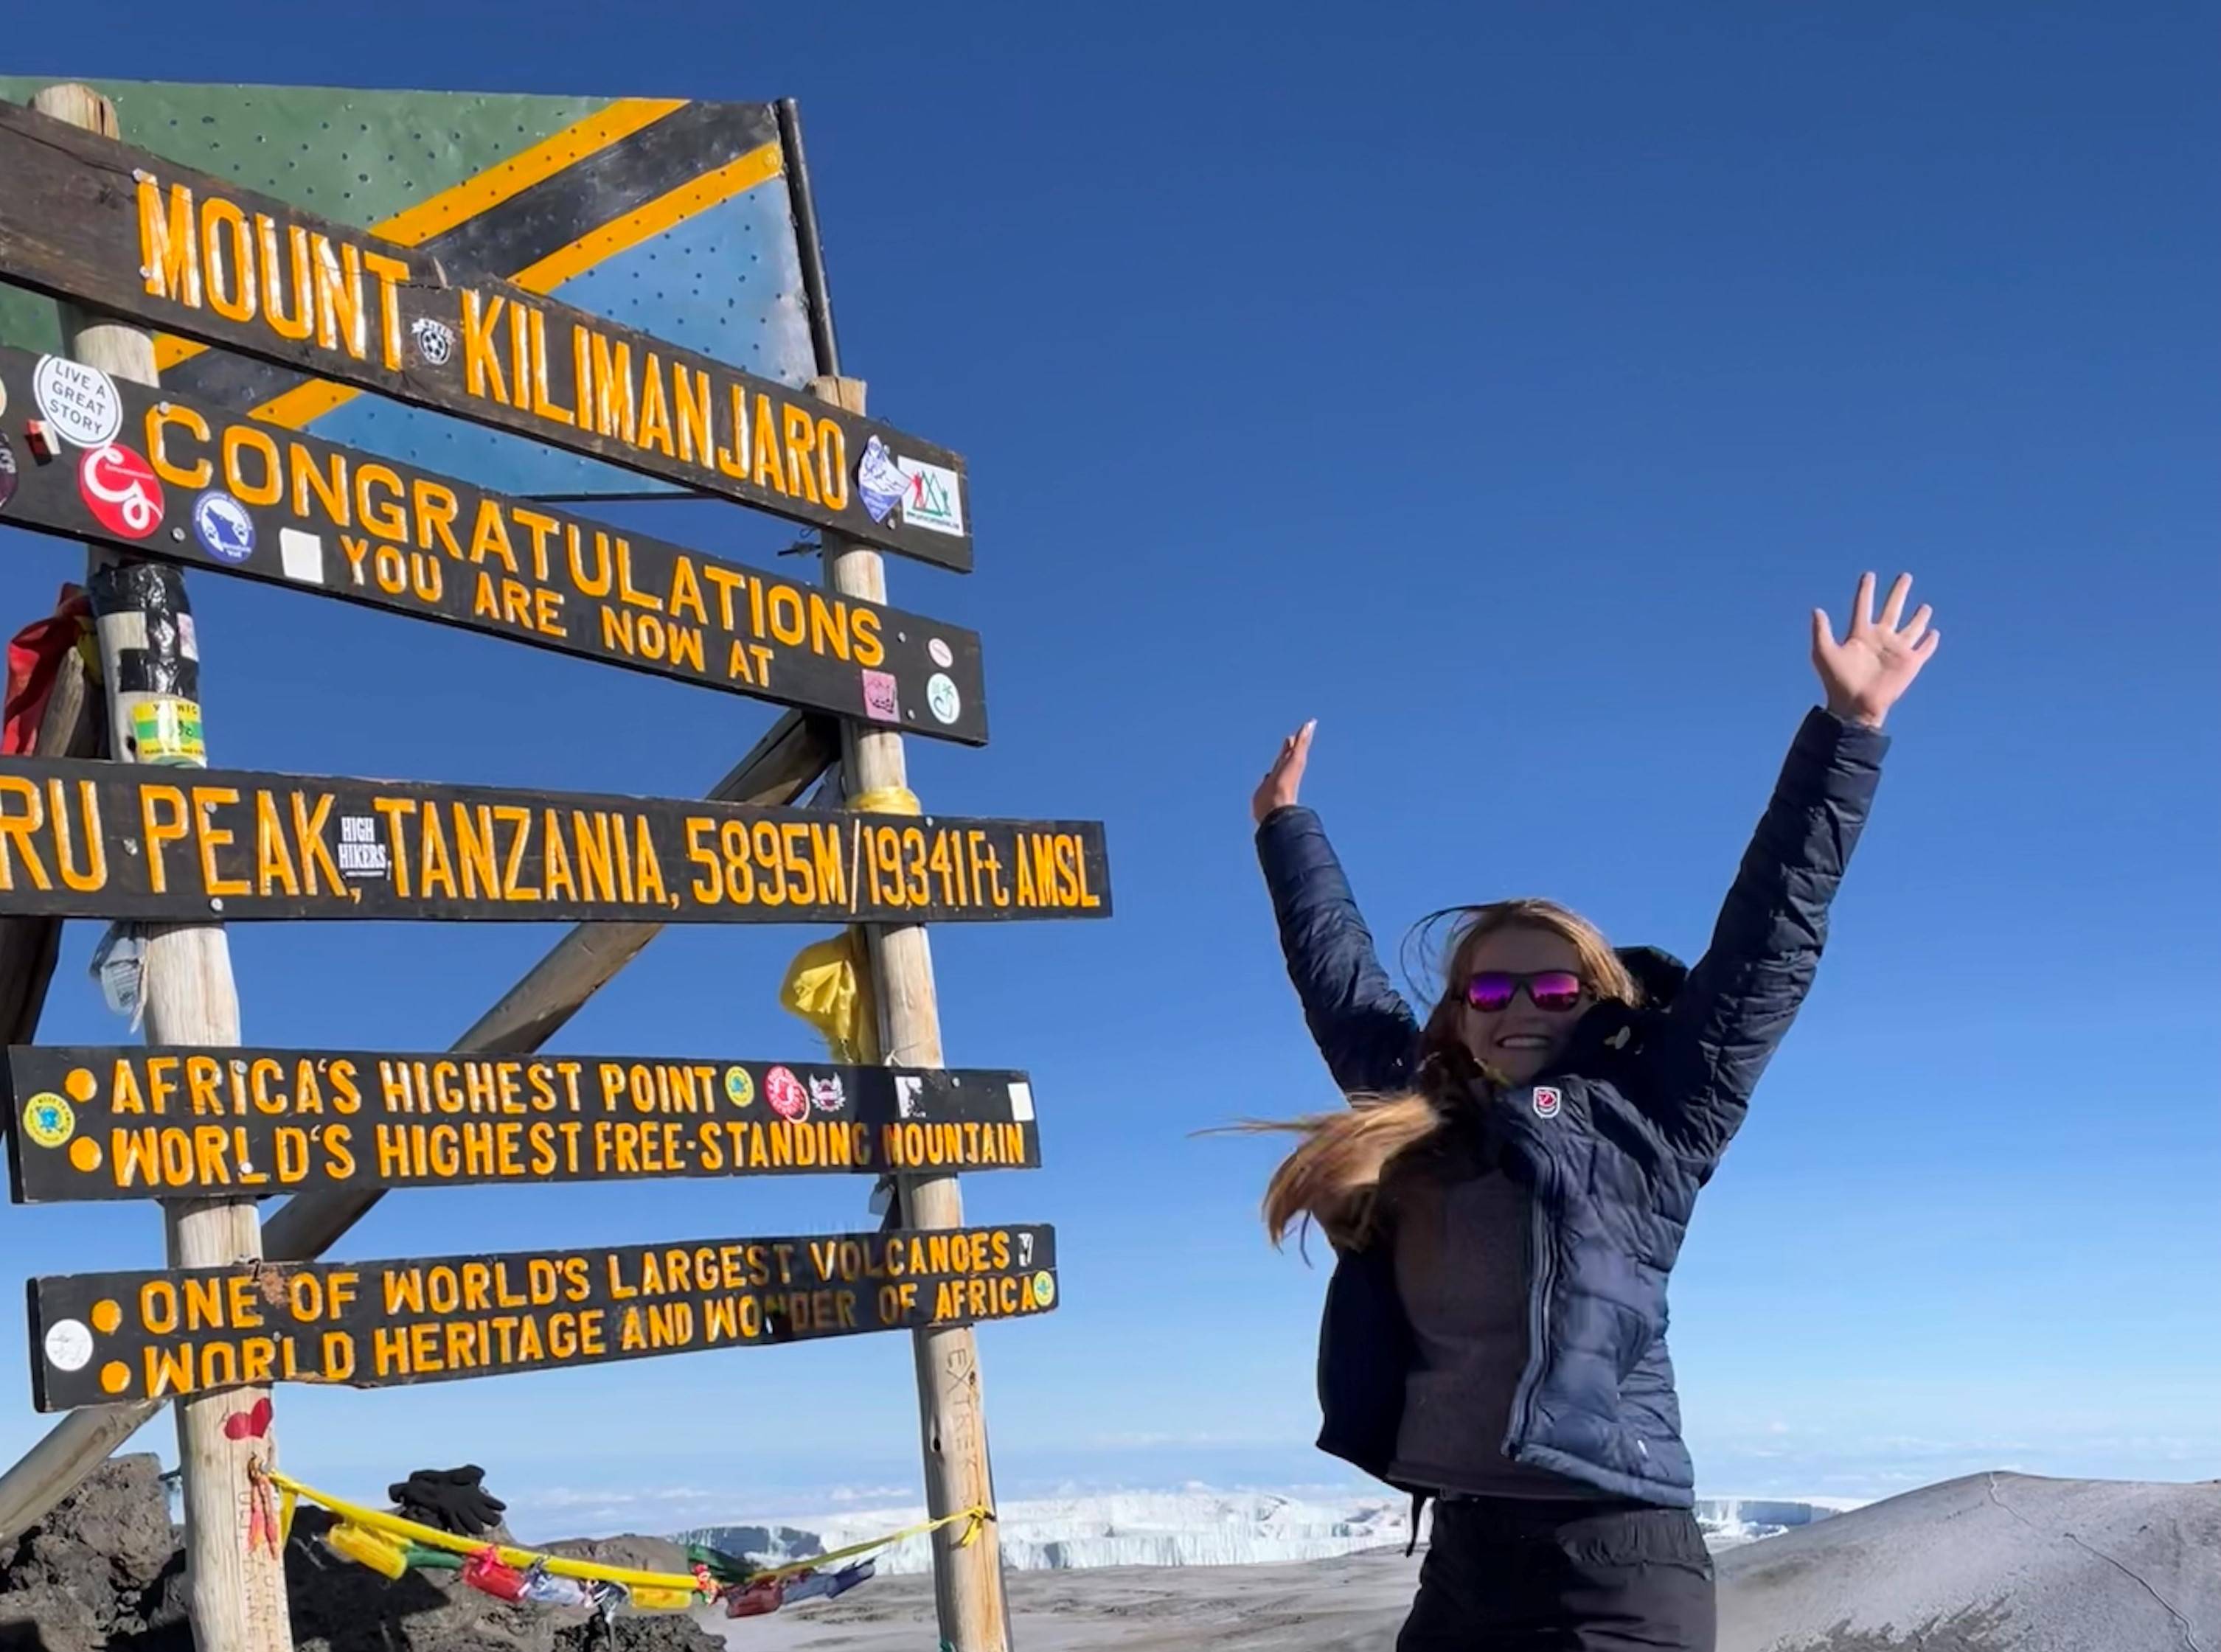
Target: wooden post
[777,770]
[967,1582]
[236,1592]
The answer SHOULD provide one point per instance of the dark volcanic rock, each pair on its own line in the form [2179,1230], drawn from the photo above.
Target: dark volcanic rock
[91,1573]
[105,1573]
[340,1606]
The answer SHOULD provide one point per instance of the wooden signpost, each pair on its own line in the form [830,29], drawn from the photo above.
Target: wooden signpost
[82,839]
[210,489]
[100,1337]
[136,1123]
[235,1584]
[173,849]
[91,220]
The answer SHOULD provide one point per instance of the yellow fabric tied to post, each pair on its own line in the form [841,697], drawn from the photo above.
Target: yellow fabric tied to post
[379,1553]
[826,988]
[828,984]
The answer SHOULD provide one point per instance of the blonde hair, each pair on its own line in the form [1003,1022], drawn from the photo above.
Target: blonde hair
[1333,1177]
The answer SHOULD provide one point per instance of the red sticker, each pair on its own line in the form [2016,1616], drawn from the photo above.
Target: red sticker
[120,490]
[1547,1101]
[788,1095]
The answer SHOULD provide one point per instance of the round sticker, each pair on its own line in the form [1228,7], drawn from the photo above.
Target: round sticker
[8,472]
[942,700]
[788,1095]
[79,402]
[120,490]
[739,1088]
[49,1120]
[69,1345]
[223,526]
[1044,1289]
[943,656]
[435,341]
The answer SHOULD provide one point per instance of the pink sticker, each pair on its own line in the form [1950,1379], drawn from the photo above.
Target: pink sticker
[881,703]
[1547,1101]
[789,1097]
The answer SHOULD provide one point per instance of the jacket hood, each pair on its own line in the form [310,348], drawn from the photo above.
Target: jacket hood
[1658,972]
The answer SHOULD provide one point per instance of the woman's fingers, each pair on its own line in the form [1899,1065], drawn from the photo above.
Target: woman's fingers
[1862,605]
[1285,778]
[1893,610]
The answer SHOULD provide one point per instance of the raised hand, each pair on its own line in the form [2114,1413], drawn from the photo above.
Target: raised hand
[1285,777]
[1866,673]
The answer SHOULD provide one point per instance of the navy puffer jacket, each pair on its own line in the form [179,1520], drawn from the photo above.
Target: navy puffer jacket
[1614,1147]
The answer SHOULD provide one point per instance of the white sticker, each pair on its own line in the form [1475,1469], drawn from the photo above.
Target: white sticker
[301,555]
[69,1345]
[189,637]
[930,497]
[79,402]
[942,700]
[360,854]
[907,1089]
[1022,1102]
[435,341]
[943,656]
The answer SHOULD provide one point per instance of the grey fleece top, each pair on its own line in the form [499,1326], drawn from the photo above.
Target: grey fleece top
[1461,1239]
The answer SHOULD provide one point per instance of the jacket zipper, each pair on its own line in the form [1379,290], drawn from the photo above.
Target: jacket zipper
[1538,1347]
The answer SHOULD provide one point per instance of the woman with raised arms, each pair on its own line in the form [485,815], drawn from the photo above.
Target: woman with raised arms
[1511,1185]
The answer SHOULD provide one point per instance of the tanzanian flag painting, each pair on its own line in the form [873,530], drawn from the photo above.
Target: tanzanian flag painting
[667,215]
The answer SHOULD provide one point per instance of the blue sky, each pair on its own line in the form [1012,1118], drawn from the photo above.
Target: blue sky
[1501,385]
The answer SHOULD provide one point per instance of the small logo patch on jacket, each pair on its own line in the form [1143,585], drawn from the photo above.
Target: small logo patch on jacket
[1547,1101]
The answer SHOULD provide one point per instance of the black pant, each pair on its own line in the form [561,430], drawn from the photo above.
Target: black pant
[1550,1576]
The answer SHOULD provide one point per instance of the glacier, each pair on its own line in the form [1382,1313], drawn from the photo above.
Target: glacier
[1195,1525]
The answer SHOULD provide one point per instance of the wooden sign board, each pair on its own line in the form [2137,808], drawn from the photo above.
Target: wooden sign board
[87,218]
[593,199]
[133,1122]
[102,1338]
[178,844]
[207,488]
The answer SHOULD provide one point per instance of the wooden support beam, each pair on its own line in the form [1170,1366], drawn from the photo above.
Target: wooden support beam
[968,1581]
[783,765]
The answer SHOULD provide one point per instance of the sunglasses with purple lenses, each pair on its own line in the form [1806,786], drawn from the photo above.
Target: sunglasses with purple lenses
[1547,990]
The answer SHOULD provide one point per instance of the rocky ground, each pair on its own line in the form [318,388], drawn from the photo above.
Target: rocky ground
[103,1574]
[1989,1563]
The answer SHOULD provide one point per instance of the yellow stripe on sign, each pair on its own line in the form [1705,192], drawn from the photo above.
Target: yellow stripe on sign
[489,189]
[304,402]
[644,223]
[521,170]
